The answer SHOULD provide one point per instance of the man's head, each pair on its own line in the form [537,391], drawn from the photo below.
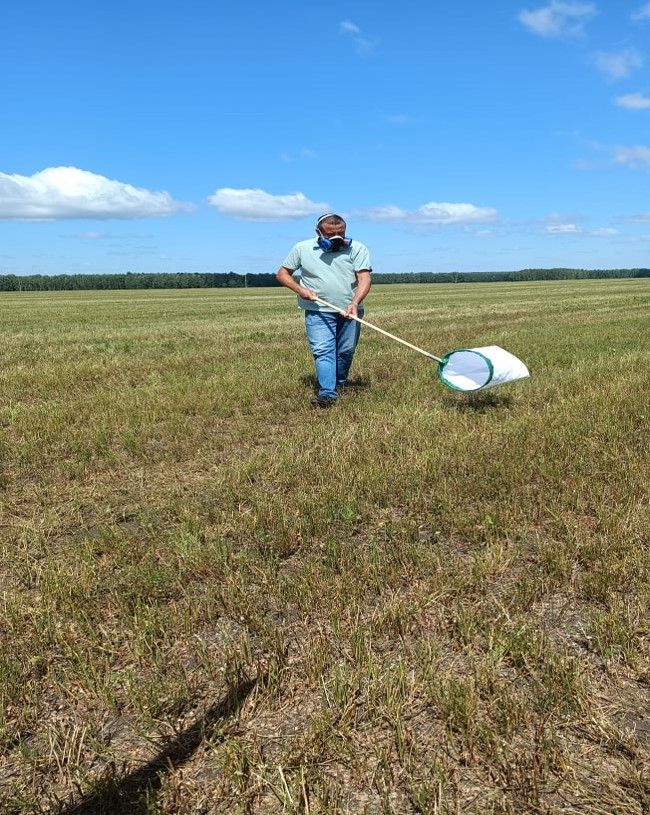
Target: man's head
[330,229]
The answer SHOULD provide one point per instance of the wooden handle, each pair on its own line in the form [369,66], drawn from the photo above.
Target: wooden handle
[380,330]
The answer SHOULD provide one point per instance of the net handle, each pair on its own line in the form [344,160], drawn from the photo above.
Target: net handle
[380,330]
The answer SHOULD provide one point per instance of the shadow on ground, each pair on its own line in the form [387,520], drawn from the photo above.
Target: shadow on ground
[132,794]
[356,384]
[477,402]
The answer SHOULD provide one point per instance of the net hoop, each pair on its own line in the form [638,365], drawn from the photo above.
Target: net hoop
[450,384]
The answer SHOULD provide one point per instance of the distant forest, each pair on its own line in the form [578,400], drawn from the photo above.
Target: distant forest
[232,280]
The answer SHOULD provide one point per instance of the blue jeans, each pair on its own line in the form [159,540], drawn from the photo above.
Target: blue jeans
[333,340]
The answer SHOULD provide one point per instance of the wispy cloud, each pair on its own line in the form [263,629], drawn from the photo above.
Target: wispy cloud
[303,153]
[635,157]
[93,235]
[562,229]
[642,13]
[362,42]
[433,213]
[618,64]
[558,19]
[604,232]
[633,101]
[259,205]
[68,192]
[88,235]
[348,27]
[398,118]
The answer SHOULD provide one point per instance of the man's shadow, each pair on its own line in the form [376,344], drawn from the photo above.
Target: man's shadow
[131,794]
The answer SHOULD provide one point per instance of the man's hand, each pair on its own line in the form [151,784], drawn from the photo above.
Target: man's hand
[306,294]
[351,311]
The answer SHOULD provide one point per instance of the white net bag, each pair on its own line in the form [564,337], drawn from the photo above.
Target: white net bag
[473,369]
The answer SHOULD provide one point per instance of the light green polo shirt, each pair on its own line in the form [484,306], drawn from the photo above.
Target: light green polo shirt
[332,275]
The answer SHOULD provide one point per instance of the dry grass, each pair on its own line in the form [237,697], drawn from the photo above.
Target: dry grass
[217,600]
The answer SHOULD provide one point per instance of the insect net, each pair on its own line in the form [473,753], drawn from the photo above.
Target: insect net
[473,369]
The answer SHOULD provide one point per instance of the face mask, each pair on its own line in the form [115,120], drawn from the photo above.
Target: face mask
[334,244]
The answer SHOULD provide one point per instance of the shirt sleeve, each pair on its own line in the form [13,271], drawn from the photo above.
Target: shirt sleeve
[292,260]
[361,259]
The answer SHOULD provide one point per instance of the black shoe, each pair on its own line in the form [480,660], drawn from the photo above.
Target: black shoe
[323,401]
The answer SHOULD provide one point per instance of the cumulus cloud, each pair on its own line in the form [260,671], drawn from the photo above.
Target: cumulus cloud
[637,156]
[618,64]
[434,213]
[633,101]
[259,205]
[68,192]
[558,19]
[642,13]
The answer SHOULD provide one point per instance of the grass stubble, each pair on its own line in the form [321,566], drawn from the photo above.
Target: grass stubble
[218,600]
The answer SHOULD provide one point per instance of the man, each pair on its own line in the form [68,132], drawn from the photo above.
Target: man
[337,269]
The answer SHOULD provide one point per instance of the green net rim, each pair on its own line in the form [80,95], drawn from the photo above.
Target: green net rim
[445,360]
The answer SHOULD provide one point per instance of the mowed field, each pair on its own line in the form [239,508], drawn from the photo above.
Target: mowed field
[217,599]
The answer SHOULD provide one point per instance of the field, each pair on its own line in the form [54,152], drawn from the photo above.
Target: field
[216,599]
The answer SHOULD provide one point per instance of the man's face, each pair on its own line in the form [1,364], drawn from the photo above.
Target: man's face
[331,230]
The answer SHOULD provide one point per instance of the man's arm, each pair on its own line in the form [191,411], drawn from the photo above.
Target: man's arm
[285,277]
[364,281]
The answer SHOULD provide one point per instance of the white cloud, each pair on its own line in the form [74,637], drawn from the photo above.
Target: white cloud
[348,27]
[634,156]
[638,156]
[90,235]
[303,153]
[605,232]
[633,101]
[642,13]
[435,213]
[445,213]
[362,43]
[558,19]
[258,205]
[383,213]
[67,192]
[93,235]
[562,229]
[618,64]
[643,218]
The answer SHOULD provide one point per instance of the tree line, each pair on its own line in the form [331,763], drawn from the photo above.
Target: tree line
[233,280]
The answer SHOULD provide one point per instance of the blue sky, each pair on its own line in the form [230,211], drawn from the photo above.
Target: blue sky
[465,136]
